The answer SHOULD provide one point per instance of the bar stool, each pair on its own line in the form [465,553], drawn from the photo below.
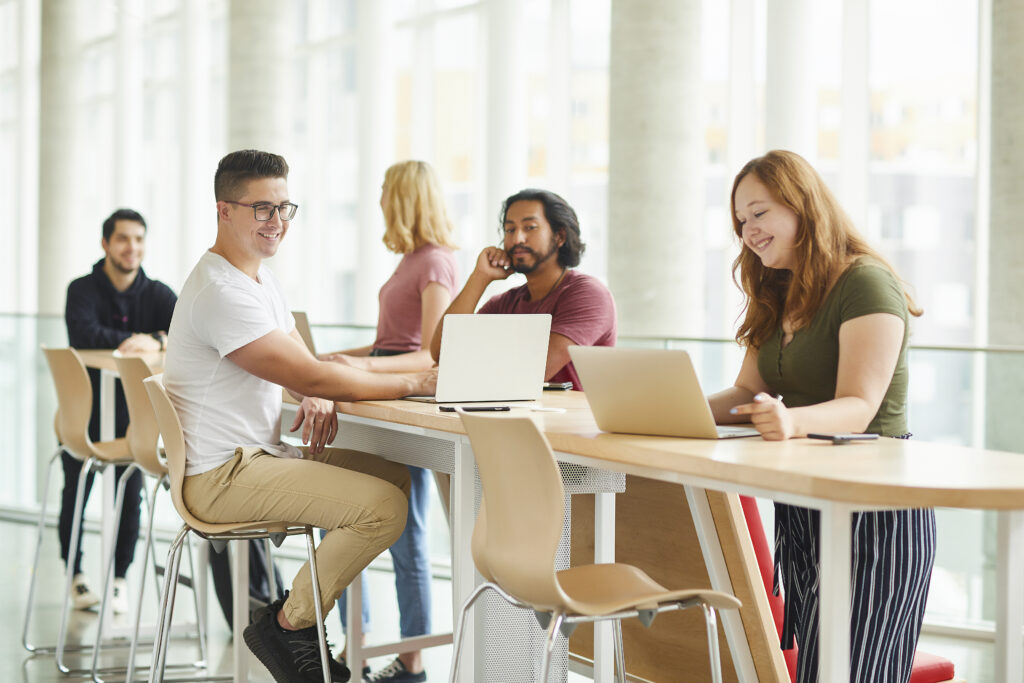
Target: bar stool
[218,535]
[143,442]
[516,537]
[74,401]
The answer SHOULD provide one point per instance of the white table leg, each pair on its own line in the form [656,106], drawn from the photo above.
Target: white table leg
[240,607]
[718,572]
[354,629]
[604,552]
[834,611]
[464,576]
[1009,664]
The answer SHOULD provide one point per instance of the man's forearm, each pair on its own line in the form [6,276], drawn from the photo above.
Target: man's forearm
[341,383]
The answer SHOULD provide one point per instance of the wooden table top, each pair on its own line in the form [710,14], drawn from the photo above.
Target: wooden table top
[103,359]
[887,472]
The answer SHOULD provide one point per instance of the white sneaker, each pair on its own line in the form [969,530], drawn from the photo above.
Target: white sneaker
[119,601]
[82,596]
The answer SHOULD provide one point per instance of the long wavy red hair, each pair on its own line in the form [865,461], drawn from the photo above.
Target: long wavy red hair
[826,243]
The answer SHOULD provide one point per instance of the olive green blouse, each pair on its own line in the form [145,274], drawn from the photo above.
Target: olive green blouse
[804,372]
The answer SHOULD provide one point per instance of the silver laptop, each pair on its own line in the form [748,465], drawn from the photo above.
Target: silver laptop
[302,325]
[647,391]
[491,357]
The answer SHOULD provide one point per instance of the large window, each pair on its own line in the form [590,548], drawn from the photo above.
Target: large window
[372,83]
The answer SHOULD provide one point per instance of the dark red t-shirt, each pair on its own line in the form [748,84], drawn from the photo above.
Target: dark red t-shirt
[581,309]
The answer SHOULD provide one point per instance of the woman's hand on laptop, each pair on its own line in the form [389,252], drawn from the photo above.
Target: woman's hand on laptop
[319,423]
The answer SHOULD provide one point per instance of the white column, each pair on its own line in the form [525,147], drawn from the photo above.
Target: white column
[62,237]
[1006,205]
[24,297]
[376,116]
[742,89]
[195,180]
[559,99]
[506,154]
[656,171]
[790,104]
[1006,253]
[854,140]
[259,67]
[128,105]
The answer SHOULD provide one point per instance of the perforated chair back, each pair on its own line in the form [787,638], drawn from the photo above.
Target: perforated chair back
[74,400]
[143,431]
[519,524]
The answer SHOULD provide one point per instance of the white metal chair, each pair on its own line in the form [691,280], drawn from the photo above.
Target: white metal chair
[218,534]
[143,441]
[516,537]
[74,401]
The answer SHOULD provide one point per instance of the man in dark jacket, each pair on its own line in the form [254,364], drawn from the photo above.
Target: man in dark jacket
[115,306]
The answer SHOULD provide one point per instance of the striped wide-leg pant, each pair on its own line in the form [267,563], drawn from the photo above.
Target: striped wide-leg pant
[893,554]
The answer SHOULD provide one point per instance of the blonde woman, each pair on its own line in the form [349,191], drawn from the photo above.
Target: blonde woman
[826,329]
[411,304]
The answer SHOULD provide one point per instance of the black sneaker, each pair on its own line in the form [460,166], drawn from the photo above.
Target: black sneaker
[340,659]
[395,672]
[290,656]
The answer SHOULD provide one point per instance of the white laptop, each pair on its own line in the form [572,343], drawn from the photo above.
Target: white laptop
[491,357]
[647,391]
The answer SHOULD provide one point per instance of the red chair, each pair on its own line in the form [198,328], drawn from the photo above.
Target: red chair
[928,668]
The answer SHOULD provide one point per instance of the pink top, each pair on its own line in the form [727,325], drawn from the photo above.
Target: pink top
[581,309]
[400,319]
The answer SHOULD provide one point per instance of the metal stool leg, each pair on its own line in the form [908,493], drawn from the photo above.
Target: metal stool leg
[321,630]
[108,574]
[549,645]
[76,533]
[620,652]
[477,592]
[31,647]
[711,621]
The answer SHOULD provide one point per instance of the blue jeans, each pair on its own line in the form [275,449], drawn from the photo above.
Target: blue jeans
[411,560]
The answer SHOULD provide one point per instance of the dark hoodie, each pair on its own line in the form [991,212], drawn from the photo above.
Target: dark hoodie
[100,317]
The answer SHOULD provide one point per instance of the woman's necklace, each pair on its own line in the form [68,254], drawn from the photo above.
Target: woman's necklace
[554,286]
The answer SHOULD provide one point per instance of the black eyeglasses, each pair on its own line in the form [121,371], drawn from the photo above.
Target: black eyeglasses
[264,211]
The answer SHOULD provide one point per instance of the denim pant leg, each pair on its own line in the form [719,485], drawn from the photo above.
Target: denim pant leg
[411,559]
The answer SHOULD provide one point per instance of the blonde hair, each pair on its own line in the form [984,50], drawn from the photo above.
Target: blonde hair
[414,208]
[826,242]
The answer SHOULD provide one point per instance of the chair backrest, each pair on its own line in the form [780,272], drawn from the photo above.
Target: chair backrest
[174,445]
[74,400]
[520,521]
[143,431]
[302,325]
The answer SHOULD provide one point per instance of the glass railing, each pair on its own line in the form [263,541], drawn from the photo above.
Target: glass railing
[957,395]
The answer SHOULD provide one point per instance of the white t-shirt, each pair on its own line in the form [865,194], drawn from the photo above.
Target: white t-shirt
[220,405]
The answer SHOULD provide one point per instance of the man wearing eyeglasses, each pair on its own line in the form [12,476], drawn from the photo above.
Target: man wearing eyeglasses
[234,346]
[114,307]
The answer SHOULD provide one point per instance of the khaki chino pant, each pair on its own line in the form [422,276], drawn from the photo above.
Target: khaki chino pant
[360,499]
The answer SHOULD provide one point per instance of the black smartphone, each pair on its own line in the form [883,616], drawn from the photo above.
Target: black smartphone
[843,438]
[557,386]
[475,409]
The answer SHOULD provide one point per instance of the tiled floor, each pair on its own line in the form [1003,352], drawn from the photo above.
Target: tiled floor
[973,659]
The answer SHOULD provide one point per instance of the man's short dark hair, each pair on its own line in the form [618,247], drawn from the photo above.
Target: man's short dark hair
[120,215]
[562,218]
[238,168]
